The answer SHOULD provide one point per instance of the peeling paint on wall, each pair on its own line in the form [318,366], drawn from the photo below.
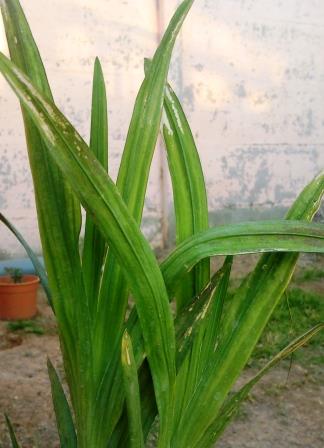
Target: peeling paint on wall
[250,75]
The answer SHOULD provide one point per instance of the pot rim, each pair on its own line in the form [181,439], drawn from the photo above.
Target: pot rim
[27,279]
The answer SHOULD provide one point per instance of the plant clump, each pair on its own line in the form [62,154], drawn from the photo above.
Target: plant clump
[150,371]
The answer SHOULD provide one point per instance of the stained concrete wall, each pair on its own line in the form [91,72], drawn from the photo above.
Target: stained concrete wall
[250,74]
[252,84]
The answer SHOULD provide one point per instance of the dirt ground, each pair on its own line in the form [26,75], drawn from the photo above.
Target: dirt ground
[284,411]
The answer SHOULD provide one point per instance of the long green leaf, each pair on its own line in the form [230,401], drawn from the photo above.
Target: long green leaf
[207,322]
[243,238]
[136,161]
[132,183]
[192,316]
[314,190]
[230,408]
[213,325]
[253,306]
[189,192]
[120,436]
[52,193]
[99,195]
[277,267]
[39,269]
[62,410]
[191,215]
[190,320]
[132,393]
[94,249]
[216,238]
[59,219]
[13,438]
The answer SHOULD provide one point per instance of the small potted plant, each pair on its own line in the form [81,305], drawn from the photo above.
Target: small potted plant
[18,295]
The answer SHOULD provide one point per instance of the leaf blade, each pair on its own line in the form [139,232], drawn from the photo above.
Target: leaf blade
[257,299]
[132,393]
[59,231]
[191,216]
[33,257]
[192,318]
[100,196]
[250,237]
[188,185]
[94,250]
[231,407]
[63,414]
[13,438]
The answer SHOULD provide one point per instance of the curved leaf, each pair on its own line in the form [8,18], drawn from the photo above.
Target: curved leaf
[189,192]
[132,184]
[13,439]
[39,269]
[132,393]
[243,238]
[94,249]
[192,318]
[250,308]
[63,414]
[59,216]
[230,408]
[99,195]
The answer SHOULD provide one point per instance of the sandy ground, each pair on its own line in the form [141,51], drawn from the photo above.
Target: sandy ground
[283,411]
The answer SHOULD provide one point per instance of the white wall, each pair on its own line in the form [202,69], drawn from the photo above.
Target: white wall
[250,74]
[253,87]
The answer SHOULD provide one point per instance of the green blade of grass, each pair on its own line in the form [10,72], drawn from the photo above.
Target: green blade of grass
[39,269]
[191,216]
[243,238]
[250,308]
[230,408]
[59,219]
[213,324]
[189,192]
[13,438]
[192,316]
[99,195]
[276,266]
[94,249]
[145,123]
[132,393]
[132,183]
[52,193]
[204,341]
[62,410]
[137,156]
[189,321]
[120,436]
[215,246]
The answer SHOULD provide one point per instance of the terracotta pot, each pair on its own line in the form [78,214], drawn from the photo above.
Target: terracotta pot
[18,300]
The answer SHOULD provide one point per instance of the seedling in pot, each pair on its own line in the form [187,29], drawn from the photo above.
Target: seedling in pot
[15,274]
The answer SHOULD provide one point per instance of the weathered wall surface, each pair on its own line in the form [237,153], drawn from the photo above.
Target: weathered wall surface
[252,83]
[250,74]
[70,34]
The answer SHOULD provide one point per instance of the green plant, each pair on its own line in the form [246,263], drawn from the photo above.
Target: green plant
[28,326]
[33,257]
[15,274]
[298,311]
[310,274]
[152,370]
